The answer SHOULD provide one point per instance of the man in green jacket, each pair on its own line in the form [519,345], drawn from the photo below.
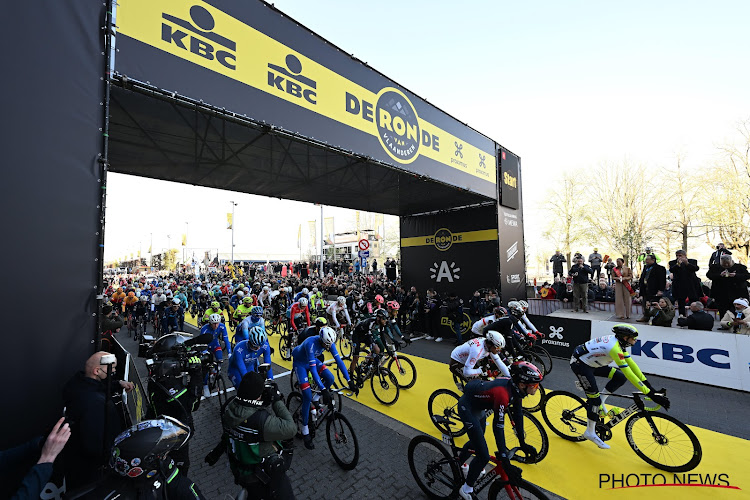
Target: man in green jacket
[255,424]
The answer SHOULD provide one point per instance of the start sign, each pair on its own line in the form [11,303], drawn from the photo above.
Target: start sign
[364,244]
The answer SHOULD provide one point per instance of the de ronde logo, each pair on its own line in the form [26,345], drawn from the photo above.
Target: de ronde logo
[197,35]
[622,481]
[396,124]
[443,239]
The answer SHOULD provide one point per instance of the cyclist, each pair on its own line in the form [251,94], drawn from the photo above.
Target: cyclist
[393,329]
[338,308]
[312,331]
[305,293]
[182,295]
[225,306]
[117,298]
[141,309]
[246,355]
[369,332]
[236,299]
[214,309]
[158,303]
[501,395]
[522,323]
[218,331]
[255,319]
[264,297]
[304,359]
[465,357]
[478,327]
[299,307]
[280,303]
[593,359]
[505,326]
[173,318]
[316,300]
[129,303]
[243,310]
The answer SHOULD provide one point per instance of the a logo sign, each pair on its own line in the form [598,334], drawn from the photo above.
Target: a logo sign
[443,238]
[511,251]
[197,36]
[465,323]
[398,126]
[363,254]
[510,180]
[510,219]
[459,147]
[481,160]
[289,79]
[556,332]
[513,278]
[363,244]
[444,271]
[682,353]
[633,480]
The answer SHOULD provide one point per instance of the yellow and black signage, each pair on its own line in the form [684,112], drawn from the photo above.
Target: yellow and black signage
[217,41]
[509,188]
[443,238]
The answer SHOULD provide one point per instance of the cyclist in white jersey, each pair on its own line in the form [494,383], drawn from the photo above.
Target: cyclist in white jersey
[465,357]
[478,327]
[338,307]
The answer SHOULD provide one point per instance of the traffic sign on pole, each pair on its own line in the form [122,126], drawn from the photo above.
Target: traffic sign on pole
[364,244]
[363,254]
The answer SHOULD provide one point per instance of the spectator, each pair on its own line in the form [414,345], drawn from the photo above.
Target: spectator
[668,290]
[567,293]
[728,282]
[603,293]
[715,259]
[547,292]
[653,280]
[623,302]
[660,313]
[111,322]
[454,308]
[737,320]
[86,398]
[432,316]
[609,266]
[595,259]
[476,307]
[374,266]
[685,284]
[580,274]
[37,477]
[698,320]
[559,287]
[557,264]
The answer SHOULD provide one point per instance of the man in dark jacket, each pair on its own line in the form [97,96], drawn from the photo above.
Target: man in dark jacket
[685,284]
[603,293]
[454,308]
[111,322]
[86,397]
[698,320]
[716,256]
[653,279]
[255,424]
[477,306]
[580,273]
[728,282]
[557,263]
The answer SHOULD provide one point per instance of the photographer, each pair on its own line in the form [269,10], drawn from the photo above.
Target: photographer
[111,322]
[255,424]
[175,381]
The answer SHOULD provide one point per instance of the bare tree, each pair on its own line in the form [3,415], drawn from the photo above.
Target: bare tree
[680,208]
[566,219]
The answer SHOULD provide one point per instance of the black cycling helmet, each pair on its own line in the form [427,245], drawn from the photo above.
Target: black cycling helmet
[321,322]
[139,449]
[381,313]
[525,372]
[622,330]
[167,343]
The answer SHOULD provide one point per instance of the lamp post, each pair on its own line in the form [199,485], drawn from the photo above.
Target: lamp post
[233,205]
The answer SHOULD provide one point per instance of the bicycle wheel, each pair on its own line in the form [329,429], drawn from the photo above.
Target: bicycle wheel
[444,402]
[534,359]
[565,414]
[285,347]
[294,404]
[435,471]
[345,346]
[404,370]
[664,442]
[544,356]
[534,434]
[499,490]
[534,403]
[342,441]
[384,386]
[221,387]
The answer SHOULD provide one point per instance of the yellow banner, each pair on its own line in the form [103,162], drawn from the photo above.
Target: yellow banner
[206,36]
[443,239]
[229,220]
[311,226]
[184,239]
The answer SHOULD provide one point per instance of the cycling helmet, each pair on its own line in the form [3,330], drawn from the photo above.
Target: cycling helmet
[341,300]
[256,337]
[175,302]
[622,330]
[214,318]
[524,305]
[315,289]
[321,322]
[159,291]
[327,336]
[526,373]
[144,298]
[197,289]
[394,305]
[141,448]
[256,311]
[381,313]
[215,305]
[496,339]
[305,291]
[204,292]
[131,294]
[501,311]
[302,302]
[266,288]
[248,301]
[379,299]
[515,307]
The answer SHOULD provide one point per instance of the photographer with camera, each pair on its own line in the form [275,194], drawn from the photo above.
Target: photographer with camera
[175,380]
[256,425]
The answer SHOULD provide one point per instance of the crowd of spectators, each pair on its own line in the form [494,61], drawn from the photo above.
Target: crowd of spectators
[663,292]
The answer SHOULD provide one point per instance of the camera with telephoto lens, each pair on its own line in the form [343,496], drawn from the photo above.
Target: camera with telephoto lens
[173,357]
[271,391]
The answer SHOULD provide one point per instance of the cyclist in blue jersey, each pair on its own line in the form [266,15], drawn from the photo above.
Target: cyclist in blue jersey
[182,295]
[502,396]
[246,356]
[173,317]
[216,328]
[304,359]
[255,318]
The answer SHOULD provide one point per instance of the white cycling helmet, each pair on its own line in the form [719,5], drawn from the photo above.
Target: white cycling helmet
[204,292]
[266,288]
[303,302]
[240,294]
[175,302]
[496,339]
[327,336]
[305,291]
[315,289]
[214,318]
[524,305]
[341,300]
[515,306]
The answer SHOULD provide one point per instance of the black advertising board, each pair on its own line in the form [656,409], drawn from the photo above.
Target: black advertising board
[510,179]
[510,231]
[450,251]
[251,59]
[562,335]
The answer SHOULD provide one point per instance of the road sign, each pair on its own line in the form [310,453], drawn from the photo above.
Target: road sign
[364,244]
[363,254]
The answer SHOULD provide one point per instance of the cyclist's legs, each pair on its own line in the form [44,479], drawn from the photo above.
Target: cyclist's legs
[457,369]
[475,426]
[304,386]
[235,377]
[586,376]
[325,375]
[215,348]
